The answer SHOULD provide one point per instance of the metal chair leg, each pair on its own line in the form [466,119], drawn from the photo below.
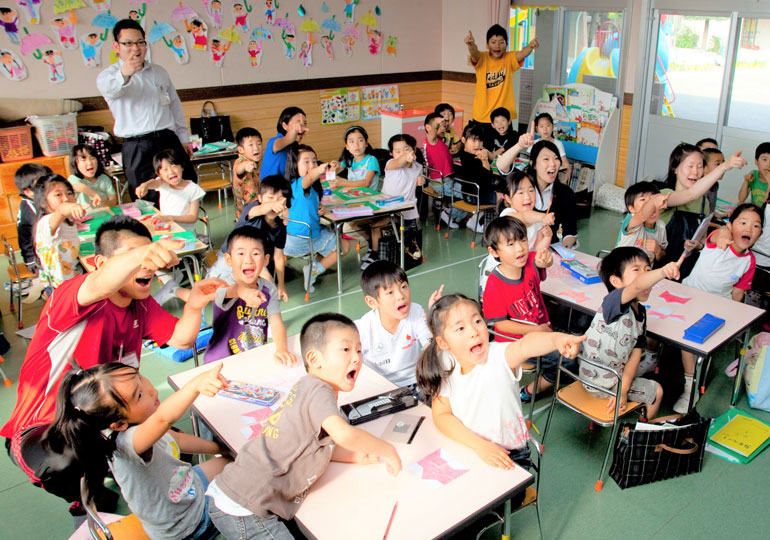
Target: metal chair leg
[613,434]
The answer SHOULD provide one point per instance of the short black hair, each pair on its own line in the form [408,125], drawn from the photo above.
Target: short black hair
[125,24]
[28,174]
[614,264]
[246,132]
[110,235]
[763,148]
[254,233]
[507,227]
[431,117]
[316,331]
[171,155]
[707,140]
[543,115]
[497,30]
[84,149]
[441,107]
[379,275]
[474,131]
[405,137]
[287,114]
[43,186]
[500,111]
[640,188]
[711,152]
[747,207]
[276,183]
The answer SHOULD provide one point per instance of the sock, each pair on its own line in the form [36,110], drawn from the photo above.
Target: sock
[319,268]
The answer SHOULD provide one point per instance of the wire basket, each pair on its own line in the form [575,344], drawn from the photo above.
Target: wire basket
[16,143]
[56,134]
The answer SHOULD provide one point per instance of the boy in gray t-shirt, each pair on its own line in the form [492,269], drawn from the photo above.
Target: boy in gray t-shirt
[616,336]
[273,472]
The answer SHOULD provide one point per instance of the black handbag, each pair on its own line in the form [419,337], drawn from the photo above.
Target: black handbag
[390,248]
[211,127]
[642,457]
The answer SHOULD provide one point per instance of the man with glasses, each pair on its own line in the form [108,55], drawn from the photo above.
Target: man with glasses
[147,110]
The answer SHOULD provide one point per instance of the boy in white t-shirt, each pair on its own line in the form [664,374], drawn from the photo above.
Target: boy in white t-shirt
[725,267]
[179,198]
[395,331]
[642,226]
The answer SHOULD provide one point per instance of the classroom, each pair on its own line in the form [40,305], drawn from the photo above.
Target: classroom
[445,149]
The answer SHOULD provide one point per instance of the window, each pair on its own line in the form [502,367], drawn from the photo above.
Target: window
[689,66]
[749,107]
[591,54]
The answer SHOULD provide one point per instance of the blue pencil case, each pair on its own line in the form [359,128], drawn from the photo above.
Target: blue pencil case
[581,271]
[703,328]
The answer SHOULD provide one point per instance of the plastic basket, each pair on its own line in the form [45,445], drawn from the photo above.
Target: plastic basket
[56,134]
[16,143]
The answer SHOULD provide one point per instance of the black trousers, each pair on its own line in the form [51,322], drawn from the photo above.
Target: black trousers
[137,159]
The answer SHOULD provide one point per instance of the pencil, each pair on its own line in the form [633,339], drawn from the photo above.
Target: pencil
[390,521]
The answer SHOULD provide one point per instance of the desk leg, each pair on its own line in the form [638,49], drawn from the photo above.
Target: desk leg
[338,239]
[507,520]
[403,247]
[739,375]
[696,381]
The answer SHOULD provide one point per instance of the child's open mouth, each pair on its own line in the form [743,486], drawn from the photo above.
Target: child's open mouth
[249,272]
[403,309]
[477,349]
[144,282]
[352,374]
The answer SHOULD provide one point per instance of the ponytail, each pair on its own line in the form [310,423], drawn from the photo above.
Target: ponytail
[86,404]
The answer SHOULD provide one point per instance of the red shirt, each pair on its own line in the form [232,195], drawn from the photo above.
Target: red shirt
[95,334]
[507,299]
[437,157]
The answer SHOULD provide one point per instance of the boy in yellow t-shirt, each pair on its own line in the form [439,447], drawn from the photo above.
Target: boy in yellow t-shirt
[494,72]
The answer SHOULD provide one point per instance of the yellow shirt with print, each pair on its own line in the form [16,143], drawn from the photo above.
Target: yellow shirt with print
[494,85]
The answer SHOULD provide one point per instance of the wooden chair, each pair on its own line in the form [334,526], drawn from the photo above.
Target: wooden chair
[18,274]
[216,176]
[472,190]
[128,528]
[434,189]
[576,398]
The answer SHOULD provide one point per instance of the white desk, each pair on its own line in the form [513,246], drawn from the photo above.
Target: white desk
[668,327]
[355,501]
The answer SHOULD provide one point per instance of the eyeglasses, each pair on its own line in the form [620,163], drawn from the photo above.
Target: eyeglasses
[128,44]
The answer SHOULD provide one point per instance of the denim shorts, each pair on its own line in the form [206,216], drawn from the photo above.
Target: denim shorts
[206,529]
[324,244]
[247,527]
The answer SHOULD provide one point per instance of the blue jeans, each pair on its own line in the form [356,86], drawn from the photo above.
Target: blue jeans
[206,529]
[247,527]
[549,366]
[449,188]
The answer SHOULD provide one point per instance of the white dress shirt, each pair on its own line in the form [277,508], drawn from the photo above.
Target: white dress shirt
[147,102]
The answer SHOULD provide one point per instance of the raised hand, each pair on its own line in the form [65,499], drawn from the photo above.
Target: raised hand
[205,291]
[211,381]
[469,41]
[735,161]
[544,258]
[569,345]
[161,254]
[435,296]
[671,270]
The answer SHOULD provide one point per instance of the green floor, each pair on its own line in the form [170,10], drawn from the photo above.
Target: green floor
[723,501]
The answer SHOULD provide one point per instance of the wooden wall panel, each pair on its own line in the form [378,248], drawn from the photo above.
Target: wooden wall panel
[625,130]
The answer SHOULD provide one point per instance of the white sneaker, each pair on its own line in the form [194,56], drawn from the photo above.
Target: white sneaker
[445,217]
[684,400]
[307,273]
[473,221]
[167,292]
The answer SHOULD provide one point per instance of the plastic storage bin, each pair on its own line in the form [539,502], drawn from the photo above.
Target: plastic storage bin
[56,134]
[16,143]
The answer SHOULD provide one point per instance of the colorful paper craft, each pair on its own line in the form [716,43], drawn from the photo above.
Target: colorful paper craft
[664,312]
[347,194]
[438,468]
[250,393]
[674,299]
[577,296]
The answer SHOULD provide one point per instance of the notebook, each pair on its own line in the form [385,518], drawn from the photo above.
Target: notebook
[742,434]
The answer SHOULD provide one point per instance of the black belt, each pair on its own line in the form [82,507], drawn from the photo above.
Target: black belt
[151,135]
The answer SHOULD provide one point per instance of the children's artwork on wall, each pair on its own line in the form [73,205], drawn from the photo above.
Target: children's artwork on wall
[288,35]
[64,28]
[334,106]
[373,34]
[324,7]
[269,12]
[354,104]
[241,12]
[330,25]
[172,38]
[391,45]
[378,98]
[194,25]
[31,10]
[11,66]
[106,21]
[306,52]
[138,15]
[254,50]
[349,36]
[91,48]
[221,44]
[350,8]
[214,11]
[55,62]
[100,5]
[9,19]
